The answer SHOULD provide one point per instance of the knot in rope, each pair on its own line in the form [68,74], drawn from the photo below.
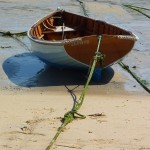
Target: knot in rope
[70,116]
[99,57]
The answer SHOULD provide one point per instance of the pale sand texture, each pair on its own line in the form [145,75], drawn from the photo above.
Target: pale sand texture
[30,120]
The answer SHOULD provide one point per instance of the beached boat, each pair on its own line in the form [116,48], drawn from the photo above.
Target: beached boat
[70,40]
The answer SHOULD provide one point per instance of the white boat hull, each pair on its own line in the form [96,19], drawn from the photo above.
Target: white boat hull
[55,55]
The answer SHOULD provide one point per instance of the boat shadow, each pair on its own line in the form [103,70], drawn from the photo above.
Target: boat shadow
[27,70]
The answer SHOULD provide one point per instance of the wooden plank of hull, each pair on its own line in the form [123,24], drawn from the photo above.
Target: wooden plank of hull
[113,47]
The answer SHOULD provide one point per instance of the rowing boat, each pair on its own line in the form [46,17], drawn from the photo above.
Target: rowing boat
[65,39]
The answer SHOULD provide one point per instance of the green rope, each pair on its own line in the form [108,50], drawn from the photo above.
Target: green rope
[16,37]
[124,66]
[134,76]
[8,33]
[73,114]
[138,9]
[121,63]
[21,43]
[83,8]
[98,57]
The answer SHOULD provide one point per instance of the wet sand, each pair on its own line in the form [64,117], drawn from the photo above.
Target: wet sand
[33,96]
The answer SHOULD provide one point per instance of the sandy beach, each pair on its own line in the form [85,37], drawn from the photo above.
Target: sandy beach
[34,98]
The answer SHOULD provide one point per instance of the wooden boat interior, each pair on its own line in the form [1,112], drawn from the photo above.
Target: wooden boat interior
[62,25]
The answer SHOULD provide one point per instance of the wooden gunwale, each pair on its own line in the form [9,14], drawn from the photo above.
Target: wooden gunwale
[81,43]
[93,27]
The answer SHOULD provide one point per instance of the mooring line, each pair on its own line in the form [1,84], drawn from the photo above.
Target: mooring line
[74,97]
[22,43]
[123,65]
[138,9]
[15,36]
[8,33]
[126,5]
[83,8]
[73,114]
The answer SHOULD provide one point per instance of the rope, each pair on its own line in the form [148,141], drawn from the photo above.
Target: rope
[98,57]
[74,97]
[83,8]
[15,36]
[8,33]
[141,82]
[124,66]
[138,9]
[73,114]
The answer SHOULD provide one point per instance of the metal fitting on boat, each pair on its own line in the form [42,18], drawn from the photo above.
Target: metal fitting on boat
[58,8]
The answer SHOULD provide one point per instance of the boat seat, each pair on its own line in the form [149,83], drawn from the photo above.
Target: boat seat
[59,29]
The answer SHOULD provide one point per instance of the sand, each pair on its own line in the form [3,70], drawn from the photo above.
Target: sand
[29,121]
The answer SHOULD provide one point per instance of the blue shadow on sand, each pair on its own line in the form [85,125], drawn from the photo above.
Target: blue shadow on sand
[27,70]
